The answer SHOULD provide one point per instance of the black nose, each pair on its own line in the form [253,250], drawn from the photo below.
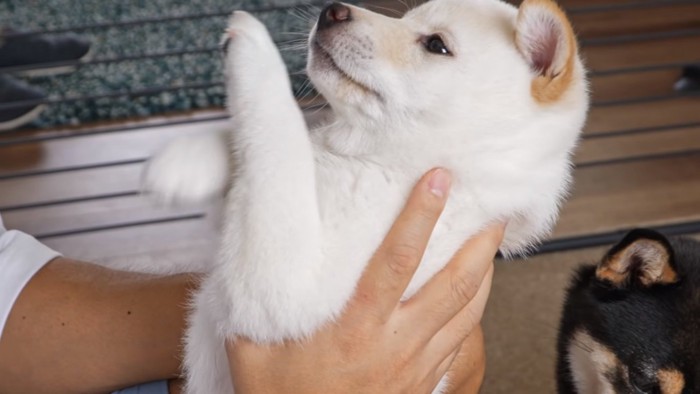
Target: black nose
[333,14]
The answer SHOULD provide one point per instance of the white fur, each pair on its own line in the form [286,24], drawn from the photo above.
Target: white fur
[190,169]
[307,209]
[537,26]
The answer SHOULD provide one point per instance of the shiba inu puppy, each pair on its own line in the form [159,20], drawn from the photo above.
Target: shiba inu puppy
[495,94]
[630,324]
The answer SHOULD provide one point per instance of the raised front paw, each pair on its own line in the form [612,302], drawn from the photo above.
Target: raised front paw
[190,169]
[252,59]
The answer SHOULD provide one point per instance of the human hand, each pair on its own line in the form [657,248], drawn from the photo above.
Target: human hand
[379,344]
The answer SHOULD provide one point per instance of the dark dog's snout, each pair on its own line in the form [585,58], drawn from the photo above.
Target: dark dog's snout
[333,14]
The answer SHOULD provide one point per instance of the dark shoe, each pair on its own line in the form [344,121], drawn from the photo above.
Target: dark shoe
[689,81]
[40,55]
[14,91]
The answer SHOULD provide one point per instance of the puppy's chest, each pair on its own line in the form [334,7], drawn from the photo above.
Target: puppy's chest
[360,202]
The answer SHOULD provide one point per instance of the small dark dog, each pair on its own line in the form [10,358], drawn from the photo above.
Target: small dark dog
[631,324]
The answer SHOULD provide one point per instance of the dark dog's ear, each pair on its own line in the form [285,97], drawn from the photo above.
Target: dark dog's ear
[643,257]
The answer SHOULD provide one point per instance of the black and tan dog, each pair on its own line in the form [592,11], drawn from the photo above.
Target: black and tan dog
[631,324]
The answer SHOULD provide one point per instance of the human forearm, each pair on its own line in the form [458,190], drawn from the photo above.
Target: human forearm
[78,327]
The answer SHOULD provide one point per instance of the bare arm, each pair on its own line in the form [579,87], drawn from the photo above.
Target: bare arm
[79,328]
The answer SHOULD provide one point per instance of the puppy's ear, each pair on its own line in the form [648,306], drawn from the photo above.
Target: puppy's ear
[643,257]
[546,39]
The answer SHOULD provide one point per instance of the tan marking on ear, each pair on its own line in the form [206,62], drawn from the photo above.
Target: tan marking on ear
[662,273]
[549,88]
[655,267]
[671,381]
[612,271]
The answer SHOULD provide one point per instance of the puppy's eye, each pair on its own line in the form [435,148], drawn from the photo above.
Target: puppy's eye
[434,44]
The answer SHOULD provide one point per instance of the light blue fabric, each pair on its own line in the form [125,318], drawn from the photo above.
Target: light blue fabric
[159,387]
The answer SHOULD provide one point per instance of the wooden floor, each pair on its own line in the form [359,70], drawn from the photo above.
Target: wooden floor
[638,165]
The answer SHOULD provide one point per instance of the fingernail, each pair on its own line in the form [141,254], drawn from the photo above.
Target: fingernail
[440,182]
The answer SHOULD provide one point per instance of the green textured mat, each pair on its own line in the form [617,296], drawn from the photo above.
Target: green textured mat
[164,52]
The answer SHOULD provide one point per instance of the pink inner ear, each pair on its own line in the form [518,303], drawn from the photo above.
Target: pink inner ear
[545,49]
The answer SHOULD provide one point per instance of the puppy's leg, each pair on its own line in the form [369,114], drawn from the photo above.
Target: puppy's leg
[271,246]
[265,283]
[206,364]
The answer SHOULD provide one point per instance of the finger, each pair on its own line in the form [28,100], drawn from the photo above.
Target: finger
[396,260]
[445,365]
[451,289]
[462,325]
[440,367]
[467,370]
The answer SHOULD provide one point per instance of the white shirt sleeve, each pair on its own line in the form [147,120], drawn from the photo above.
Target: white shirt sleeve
[21,256]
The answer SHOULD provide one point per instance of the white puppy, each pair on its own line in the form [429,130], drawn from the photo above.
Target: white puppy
[493,93]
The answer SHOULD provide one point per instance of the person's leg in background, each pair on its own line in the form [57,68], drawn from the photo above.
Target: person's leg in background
[19,102]
[32,55]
